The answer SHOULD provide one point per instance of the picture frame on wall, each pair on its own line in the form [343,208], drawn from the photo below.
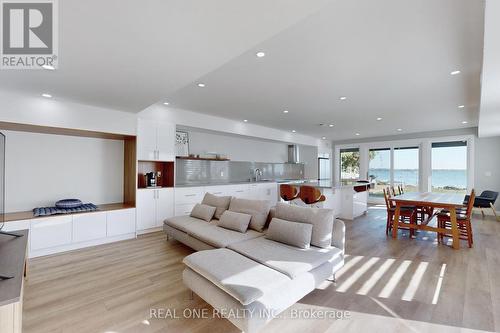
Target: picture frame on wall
[182,143]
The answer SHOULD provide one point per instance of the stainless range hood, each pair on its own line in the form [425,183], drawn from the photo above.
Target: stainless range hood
[293,154]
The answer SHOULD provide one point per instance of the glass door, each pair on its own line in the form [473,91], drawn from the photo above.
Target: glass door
[379,171]
[449,167]
[406,168]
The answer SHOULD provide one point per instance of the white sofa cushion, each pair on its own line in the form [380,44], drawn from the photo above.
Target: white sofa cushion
[321,220]
[240,277]
[203,212]
[221,203]
[216,236]
[292,233]
[286,259]
[235,221]
[183,223]
[259,209]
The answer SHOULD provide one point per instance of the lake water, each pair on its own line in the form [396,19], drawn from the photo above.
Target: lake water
[440,178]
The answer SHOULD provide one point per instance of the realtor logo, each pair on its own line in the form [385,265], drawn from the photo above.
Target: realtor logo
[29,34]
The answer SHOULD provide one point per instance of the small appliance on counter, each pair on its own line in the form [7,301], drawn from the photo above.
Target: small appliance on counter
[151,179]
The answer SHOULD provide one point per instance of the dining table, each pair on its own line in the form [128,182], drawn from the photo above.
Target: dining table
[449,201]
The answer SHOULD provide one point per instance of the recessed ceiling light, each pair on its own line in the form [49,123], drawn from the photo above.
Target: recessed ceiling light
[455,72]
[285,111]
[201,85]
[461,106]
[47,95]
[379,118]
[399,130]
[48,67]
[293,131]
[331,125]
[464,122]
[260,54]
[324,137]
[166,103]
[245,120]
[357,134]
[342,98]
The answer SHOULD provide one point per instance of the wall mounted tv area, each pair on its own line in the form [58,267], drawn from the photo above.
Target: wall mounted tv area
[95,167]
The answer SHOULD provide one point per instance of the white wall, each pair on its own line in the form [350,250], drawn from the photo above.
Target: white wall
[37,110]
[487,171]
[43,168]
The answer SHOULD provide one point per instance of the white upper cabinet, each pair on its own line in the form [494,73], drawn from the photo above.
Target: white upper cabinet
[155,140]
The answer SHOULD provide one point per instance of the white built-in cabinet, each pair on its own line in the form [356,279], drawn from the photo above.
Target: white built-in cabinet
[61,233]
[187,197]
[153,207]
[155,140]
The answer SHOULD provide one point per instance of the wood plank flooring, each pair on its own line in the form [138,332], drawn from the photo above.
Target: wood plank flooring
[386,286]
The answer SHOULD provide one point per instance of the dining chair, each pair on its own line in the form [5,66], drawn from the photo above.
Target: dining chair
[463,221]
[406,214]
[288,193]
[401,189]
[393,191]
[311,196]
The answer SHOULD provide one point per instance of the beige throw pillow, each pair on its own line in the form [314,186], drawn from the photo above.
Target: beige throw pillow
[259,209]
[203,212]
[292,233]
[235,221]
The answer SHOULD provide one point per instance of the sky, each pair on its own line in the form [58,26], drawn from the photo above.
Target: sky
[442,158]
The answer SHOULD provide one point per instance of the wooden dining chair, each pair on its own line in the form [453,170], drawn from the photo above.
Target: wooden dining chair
[393,191]
[406,214]
[400,189]
[463,221]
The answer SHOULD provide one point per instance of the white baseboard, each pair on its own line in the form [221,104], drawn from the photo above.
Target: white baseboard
[147,231]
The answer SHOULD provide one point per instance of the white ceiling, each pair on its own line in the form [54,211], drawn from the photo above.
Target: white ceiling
[391,58]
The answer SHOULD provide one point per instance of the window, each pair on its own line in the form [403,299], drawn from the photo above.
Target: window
[379,170]
[406,163]
[349,164]
[324,171]
[449,166]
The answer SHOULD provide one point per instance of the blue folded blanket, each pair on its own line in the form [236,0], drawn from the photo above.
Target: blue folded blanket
[46,211]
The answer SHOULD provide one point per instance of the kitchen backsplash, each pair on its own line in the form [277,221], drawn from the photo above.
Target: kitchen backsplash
[199,172]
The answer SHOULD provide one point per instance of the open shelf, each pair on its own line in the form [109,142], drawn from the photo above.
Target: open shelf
[201,158]
[28,215]
[165,168]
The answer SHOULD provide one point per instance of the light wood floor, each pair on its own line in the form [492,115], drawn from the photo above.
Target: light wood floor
[386,286]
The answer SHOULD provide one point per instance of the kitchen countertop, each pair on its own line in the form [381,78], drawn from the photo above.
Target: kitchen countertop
[12,258]
[228,183]
[327,183]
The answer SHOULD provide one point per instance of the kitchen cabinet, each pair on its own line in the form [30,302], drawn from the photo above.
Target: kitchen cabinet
[51,232]
[89,226]
[153,207]
[120,222]
[155,141]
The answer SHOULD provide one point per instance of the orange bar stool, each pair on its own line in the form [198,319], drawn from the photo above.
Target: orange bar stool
[311,195]
[288,192]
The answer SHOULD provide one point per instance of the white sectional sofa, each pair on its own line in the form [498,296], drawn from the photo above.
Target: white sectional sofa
[258,274]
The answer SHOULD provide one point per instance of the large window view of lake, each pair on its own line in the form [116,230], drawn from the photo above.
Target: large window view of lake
[448,174]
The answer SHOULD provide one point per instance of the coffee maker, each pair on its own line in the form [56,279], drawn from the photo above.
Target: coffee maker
[150,179]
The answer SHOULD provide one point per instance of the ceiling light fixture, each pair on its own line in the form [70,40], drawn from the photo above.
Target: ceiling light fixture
[285,111]
[342,98]
[357,134]
[324,137]
[461,106]
[294,131]
[245,120]
[379,118]
[260,54]
[331,125]
[464,122]
[201,85]
[166,103]
[399,130]
[47,95]
[48,67]
[455,72]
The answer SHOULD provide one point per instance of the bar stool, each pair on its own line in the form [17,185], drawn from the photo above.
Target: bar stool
[311,195]
[288,193]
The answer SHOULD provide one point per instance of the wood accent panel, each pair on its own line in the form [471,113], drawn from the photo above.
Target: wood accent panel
[62,131]
[166,169]
[28,215]
[129,170]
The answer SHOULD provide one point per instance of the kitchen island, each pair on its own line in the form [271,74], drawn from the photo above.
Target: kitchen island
[348,199]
